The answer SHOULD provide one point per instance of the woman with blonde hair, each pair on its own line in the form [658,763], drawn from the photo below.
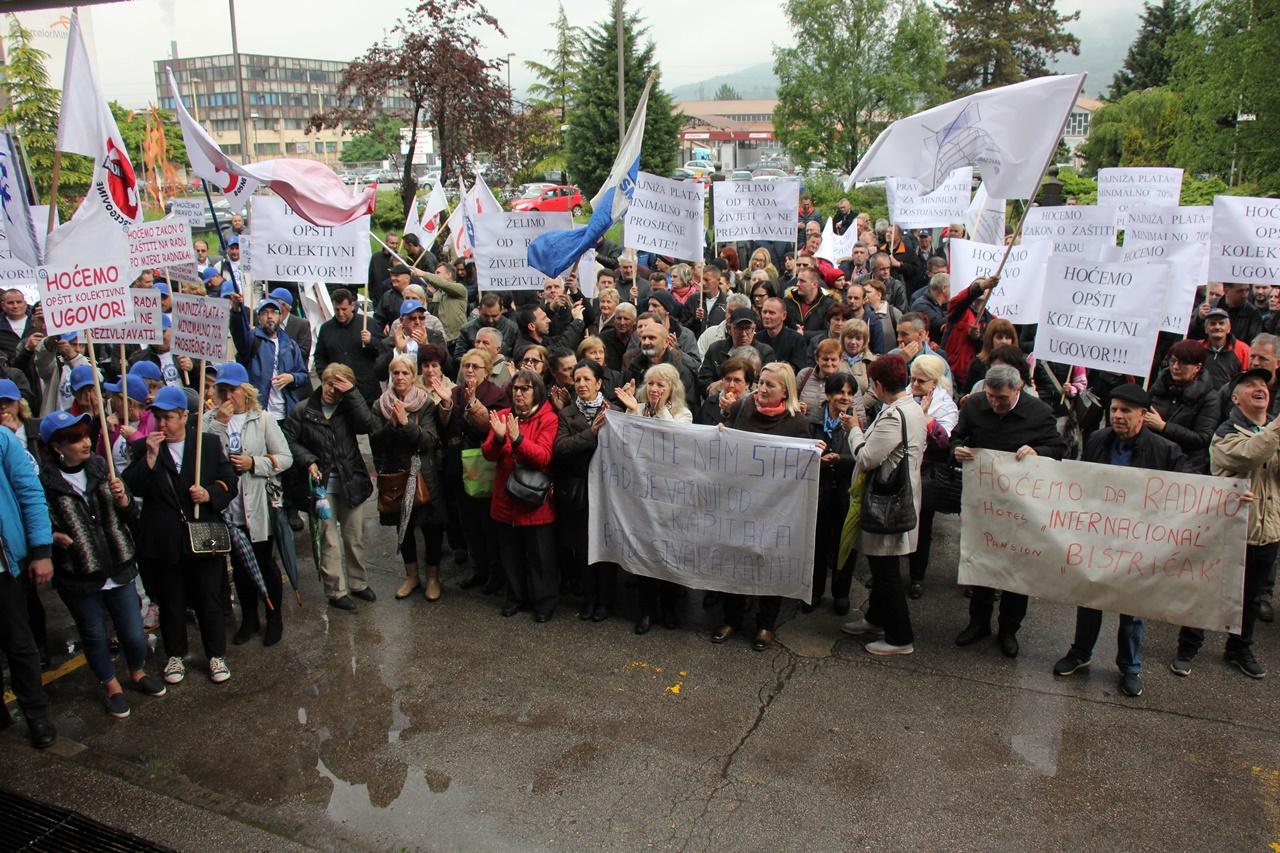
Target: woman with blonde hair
[661,396]
[774,409]
[684,286]
[760,260]
[932,390]
[258,451]
[855,337]
[607,301]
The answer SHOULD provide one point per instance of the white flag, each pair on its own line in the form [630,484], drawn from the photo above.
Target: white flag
[412,224]
[1007,134]
[430,222]
[836,247]
[459,240]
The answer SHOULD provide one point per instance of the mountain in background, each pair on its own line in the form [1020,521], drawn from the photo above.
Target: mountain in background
[1105,35]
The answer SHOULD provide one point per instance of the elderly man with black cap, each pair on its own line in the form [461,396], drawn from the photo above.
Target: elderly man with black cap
[742,333]
[1129,443]
[389,304]
[1225,355]
[273,359]
[1246,445]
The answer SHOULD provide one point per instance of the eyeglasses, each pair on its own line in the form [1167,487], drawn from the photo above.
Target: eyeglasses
[531,361]
[473,367]
[522,388]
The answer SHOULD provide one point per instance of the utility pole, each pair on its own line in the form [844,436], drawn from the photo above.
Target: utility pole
[622,97]
[245,151]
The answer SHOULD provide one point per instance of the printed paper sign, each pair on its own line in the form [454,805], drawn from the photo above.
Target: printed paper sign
[1245,246]
[501,244]
[200,326]
[1018,295]
[706,508]
[1179,235]
[1074,229]
[1127,186]
[160,244]
[190,211]
[287,247]
[147,327]
[756,210]
[1102,315]
[86,296]
[911,207]
[1122,540]
[665,217]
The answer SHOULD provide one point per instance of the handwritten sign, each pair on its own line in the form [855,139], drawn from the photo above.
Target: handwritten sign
[1101,315]
[911,207]
[188,210]
[1074,229]
[665,216]
[287,247]
[501,241]
[160,244]
[86,296]
[756,210]
[1018,295]
[1245,246]
[148,321]
[1126,186]
[709,509]
[1125,540]
[200,326]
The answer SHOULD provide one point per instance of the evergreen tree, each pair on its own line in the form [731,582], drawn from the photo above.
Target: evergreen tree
[727,93]
[997,42]
[553,90]
[1148,61]
[857,64]
[592,138]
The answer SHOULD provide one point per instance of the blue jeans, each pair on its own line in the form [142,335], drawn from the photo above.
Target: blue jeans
[1128,639]
[89,610]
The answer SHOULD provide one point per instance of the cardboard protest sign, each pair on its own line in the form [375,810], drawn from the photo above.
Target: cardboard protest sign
[1017,298]
[1074,229]
[706,508]
[665,217]
[1125,186]
[1101,315]
[200,327]
[1245,246]
[500,241]
[148,321]
[286,247]
[756,210]
[86,296]
[160,244]
[1123,540]
[911,207]
[188,210]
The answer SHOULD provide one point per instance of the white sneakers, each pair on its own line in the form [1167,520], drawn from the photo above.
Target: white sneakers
[880,647]
[174,671]
[218,670]
[860,627]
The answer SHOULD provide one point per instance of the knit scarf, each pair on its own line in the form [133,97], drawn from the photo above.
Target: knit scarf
[590,408]
[771,411]
[414,400]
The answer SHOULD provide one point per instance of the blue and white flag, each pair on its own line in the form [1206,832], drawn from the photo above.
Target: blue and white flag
[555,252]
[15,207]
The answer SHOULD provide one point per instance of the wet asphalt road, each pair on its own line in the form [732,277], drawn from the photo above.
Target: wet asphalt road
[444,726]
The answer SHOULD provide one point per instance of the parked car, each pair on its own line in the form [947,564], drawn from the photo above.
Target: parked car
[552,198]
[740,175]
[700,167]
[681,174]
[769,175]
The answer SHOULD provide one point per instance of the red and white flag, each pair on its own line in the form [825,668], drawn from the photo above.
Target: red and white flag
[430,223]
[412,224]
[457,224]
[311,188]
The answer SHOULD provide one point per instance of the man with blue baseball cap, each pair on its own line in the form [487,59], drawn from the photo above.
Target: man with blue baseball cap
[273,359]
[176,371]
[130,435]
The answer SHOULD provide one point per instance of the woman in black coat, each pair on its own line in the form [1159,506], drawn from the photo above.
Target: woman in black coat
[580,421]
[94,559]
[1184,409]
[832,428]
[164,477]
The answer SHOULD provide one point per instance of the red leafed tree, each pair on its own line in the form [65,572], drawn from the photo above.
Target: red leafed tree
[427,70]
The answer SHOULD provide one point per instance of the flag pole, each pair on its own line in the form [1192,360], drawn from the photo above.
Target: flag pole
[199,431]
[53,190]
[124,391]
[102,409]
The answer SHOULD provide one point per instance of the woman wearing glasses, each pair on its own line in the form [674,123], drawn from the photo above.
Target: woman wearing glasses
[520,441]
[536,358]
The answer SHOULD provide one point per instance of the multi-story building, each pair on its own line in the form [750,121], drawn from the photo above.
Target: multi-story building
[281,94]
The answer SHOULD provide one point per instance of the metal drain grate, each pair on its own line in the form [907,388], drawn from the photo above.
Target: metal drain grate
[28,825]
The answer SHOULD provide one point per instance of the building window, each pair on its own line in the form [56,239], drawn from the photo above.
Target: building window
[267,148]
[1078,123]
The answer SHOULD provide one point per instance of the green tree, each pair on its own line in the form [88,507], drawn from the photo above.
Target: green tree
[1149,62]
[856,65]
[592,139]
[727,93]
[553,90]
[32,110]
[1140,129]
[380,142]
[997,42]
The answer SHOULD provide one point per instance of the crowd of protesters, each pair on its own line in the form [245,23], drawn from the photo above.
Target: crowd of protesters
[481,412]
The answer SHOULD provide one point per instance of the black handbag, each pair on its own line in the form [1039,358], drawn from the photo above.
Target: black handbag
[528,485]
[946,484]
[889,508]
[204,538]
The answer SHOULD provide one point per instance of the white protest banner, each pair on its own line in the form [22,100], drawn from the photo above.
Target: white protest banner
[500,242]
[148,322]
[1180,281]
[836,247]
[756,210]
[188,210]
[160,244]
[86,295]
[984,220]
[1126,186]
[1102,315]
[200,326]
[287,247]
[1179,235]
[1245,246]
[1147,543]
[17,275]
[911,207]
[1074,229]
[706,508]
[665,217]
[1018,295]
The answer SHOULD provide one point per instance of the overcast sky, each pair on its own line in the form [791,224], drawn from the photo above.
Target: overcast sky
[129,36]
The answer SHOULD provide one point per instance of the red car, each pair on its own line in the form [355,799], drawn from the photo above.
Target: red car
[554,198]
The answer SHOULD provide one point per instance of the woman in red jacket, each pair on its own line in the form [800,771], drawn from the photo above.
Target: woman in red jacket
[522,437]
